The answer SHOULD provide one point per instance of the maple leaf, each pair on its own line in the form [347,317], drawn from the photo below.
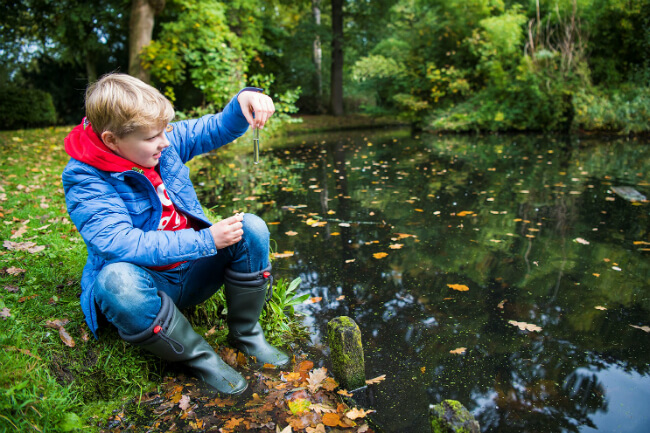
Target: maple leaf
[525,326]
[376,380]
[316,378]
[459,287]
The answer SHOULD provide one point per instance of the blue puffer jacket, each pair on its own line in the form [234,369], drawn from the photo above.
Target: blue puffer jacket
[117,213]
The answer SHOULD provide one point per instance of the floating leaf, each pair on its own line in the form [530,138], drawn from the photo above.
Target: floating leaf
[525,326]
[643,328]
[358,413]
[283,255]
[395,246]
[598,307]
[291,233]
[314,300]
[379,255]
[376,380]
[458,351]
[581,241]
[459,287]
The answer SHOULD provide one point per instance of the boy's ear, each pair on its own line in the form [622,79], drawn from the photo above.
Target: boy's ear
[109,139]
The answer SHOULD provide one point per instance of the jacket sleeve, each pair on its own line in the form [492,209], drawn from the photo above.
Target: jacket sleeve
[103,220]
[197,136]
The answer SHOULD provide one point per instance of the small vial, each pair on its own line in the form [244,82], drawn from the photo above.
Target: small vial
[256,145]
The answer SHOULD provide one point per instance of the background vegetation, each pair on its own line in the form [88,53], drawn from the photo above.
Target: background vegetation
[442,64]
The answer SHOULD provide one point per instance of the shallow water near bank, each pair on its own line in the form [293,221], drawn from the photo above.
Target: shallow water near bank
[501,271]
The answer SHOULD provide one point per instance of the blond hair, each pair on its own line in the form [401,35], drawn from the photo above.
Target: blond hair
[123,104]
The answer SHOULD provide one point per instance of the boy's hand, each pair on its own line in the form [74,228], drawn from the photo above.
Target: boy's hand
[258,103]
[227,232]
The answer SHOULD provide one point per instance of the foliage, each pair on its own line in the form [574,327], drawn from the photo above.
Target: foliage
[24,108]
[624,110]
[197,45]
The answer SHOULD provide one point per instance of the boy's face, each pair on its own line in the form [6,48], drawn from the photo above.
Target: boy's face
[142,147]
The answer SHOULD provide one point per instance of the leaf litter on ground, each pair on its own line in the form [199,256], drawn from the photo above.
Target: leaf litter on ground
[301,399]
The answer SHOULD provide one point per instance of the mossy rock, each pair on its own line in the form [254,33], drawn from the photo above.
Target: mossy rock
[346,352]
[451,416]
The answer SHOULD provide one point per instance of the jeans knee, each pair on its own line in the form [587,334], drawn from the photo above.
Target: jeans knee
[255,229]
[115,281]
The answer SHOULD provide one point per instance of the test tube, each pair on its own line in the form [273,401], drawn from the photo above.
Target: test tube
[256,145]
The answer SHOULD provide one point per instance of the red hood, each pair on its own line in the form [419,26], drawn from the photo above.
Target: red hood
[84,145]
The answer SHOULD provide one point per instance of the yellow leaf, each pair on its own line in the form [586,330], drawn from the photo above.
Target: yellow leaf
[291,233]
[379,255]
[331,419]
[458,351]
[459,287]
[358,413]
[283,255]
[525,326]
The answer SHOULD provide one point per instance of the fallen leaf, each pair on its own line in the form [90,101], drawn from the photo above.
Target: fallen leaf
[501,304]
[350,260]
[379,255]
[598,307]
[299,405]
[616,268]
[11,289]
[596,275]
[459,287]
[287,429]
[363,428]
[15,271]
[5,313]
[320,428]
[376,380]
[458,351]
[330,384]
[184,402]
[331,419]
[525,326]
[21,231]
[291,233]
[65,337]
[269,366]
[232,423]
[465,213]
[395,246]
[322,408]
[358,413]
[340,298]
[643,328]
[315,379]
[305,365]
[581,241]
[291,377]
[314,300]
[344,392]
[423,369]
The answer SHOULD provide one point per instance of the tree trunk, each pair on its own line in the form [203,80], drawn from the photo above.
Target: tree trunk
[318,53]
[140,33]
[336,85]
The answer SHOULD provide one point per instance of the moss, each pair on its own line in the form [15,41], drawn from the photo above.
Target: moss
[451,416]
[346,352]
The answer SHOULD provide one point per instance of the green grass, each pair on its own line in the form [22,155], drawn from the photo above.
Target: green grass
[46,385]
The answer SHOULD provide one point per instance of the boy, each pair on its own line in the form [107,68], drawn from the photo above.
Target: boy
[151,250]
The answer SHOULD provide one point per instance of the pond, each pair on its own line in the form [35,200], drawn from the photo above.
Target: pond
[507,272]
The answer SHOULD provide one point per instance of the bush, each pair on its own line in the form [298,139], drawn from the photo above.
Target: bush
[25,108]
[618,111]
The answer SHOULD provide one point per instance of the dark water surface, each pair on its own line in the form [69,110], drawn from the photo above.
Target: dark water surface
[381,223]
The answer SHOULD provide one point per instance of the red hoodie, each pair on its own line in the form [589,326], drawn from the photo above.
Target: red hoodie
[84,145]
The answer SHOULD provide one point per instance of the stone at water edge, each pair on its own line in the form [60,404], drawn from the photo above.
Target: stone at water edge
[451,416]
[346,352]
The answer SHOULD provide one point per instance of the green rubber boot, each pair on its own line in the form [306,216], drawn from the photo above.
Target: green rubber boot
[246,295]
[172,338]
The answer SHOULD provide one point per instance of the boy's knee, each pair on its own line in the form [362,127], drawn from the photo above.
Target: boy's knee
[255,227]
[115,280]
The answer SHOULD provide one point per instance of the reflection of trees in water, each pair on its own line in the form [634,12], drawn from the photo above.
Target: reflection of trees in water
[514,381]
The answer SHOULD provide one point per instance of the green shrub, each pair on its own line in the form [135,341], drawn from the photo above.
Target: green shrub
[25,108]
[615,111]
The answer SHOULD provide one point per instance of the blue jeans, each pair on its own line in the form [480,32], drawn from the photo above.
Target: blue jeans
[127,294]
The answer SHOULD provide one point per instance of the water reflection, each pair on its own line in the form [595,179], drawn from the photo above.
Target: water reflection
[381,224]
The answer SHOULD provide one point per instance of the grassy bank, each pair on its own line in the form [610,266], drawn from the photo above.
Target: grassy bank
[55,375]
